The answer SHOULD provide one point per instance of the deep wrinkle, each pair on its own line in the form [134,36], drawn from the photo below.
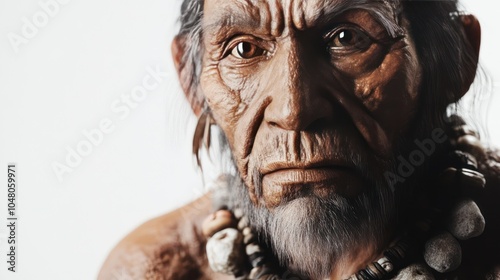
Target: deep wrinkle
[368,127]
[270,20]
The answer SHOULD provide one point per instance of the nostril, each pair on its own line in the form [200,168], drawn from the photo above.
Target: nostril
[300,122]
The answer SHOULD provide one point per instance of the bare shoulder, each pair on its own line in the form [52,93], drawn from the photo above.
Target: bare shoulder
[168,247]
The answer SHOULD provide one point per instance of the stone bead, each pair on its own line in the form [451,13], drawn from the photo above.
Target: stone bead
[247,231]
[443,253]
[238,213]
[373,272]
[471,144]
[252,249]
[386,264]
[377,269]
[217,221]
[414,272]
[472,178]
[225,251]
[465,220]
[465,178]
[243,223]
[256,259]
[249,238]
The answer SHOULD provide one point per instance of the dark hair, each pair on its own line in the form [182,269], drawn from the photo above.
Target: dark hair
[447,58]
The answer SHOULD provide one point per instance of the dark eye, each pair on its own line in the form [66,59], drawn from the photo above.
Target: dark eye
[246,50]
[348,39]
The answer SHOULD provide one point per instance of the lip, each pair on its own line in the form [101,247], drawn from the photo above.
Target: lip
[281,185]
[311,166]
[306,176]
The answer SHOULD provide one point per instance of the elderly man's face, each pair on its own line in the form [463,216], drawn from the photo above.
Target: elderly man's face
[309,93]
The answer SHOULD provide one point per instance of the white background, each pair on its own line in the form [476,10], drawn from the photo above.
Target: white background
[63,81]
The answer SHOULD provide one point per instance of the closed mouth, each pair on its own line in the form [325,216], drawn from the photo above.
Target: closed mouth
[306,167]
[284,183]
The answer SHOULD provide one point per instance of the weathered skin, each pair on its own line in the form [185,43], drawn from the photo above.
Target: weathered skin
[293,93]
[290,120]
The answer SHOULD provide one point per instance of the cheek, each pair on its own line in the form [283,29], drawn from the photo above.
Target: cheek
[246,80]
[223,101]
[228,94]
[390,92]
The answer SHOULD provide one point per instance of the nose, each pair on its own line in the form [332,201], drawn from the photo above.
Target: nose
[298,96]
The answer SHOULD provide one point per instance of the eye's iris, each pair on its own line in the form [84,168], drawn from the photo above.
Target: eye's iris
[349,39]
[346,38]
[247,50]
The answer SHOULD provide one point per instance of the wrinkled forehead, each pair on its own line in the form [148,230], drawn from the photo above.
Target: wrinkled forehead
[300,14]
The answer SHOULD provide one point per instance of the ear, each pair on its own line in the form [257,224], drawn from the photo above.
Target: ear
[472,30]
[177,49]
[184,72]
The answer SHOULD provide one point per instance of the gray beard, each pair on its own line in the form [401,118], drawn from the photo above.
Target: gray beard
[311,235]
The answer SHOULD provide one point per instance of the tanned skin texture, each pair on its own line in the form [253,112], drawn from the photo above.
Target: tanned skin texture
[292,92]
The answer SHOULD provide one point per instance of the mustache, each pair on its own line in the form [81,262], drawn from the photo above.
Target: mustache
[338,147]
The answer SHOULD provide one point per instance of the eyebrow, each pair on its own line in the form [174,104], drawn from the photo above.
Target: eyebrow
[380,10]
[232,20]
[228,21]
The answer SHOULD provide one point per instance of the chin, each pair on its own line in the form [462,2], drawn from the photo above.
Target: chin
[311,235]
